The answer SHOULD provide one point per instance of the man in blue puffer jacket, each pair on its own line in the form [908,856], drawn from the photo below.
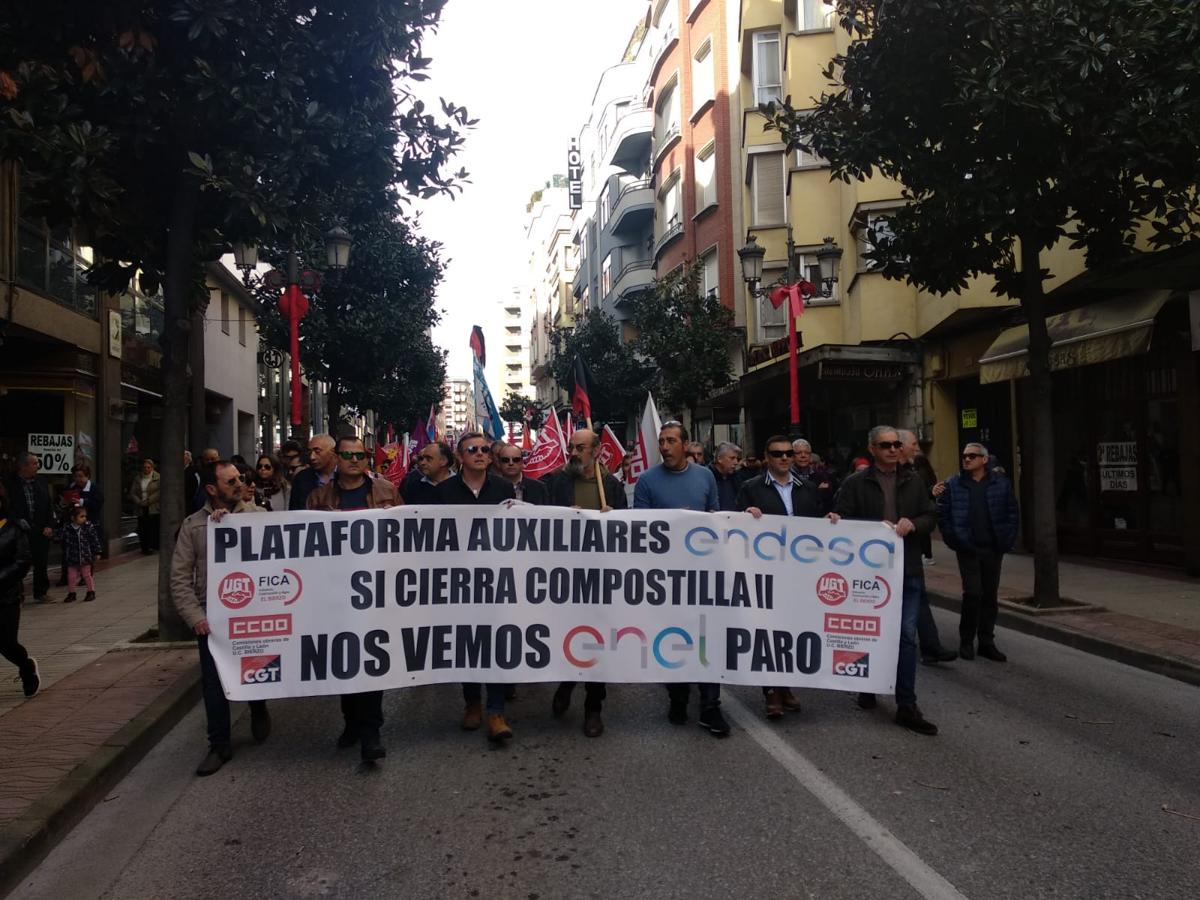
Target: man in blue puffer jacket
[978,518]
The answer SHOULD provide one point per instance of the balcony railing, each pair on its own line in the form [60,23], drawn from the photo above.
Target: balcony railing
[634,278]
[673,231]
[635,197]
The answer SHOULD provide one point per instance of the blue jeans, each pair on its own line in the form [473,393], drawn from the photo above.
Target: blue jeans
[472,693]
[906,665]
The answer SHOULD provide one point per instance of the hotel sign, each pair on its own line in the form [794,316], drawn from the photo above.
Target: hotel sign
[574,175]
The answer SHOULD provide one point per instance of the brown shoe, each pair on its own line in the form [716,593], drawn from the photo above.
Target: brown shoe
[593,725]
[774,704]
[498,729]
[473,716]
[790,703]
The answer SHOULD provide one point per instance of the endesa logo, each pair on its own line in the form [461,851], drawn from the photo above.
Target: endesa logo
[832,589]
[261,669]
[851,663]
[241,627]
[236,590]
[784,545]
[857,626]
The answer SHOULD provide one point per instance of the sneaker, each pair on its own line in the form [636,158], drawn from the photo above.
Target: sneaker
[562,700]
[472,716]
[967,651]
[31,679]
[940,655]
[790,702]
[910,717]
[593,725]
[260,722]
[774,705]
[928,561]
[217,757]
[712,719]
[89,596]
[372,746]
[348,738]
[70,598]
[867,701]
[677,712]
[498,729]
[992,652]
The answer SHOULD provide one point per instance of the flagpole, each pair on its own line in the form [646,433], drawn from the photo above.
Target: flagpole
[599,477]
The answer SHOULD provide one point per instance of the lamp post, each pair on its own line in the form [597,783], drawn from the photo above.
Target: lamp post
[293,302]
[794,290]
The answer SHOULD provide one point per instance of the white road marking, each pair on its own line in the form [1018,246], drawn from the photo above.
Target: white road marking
[893,851]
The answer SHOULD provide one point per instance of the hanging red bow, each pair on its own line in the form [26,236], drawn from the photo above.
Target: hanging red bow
[794,294]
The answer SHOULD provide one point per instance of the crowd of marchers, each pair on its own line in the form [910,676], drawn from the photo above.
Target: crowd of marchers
[975,510]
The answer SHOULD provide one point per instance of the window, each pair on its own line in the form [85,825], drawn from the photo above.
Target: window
[241,325]
[878,224]
[768,74]
[606,276]
[767,186]
[772,322]
[602,207]
[224,312]
[706,182]
[668,205]
[666,114]
[52,262]
[710,284]
[702,76]
[812,15]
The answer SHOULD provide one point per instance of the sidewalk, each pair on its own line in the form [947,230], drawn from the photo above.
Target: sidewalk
[102,705]
[1150,617]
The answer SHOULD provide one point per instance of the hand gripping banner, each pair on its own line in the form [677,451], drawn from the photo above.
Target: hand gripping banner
[309,603]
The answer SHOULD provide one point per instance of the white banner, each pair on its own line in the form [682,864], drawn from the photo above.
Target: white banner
[306,603]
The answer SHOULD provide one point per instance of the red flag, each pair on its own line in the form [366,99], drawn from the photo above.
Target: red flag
[611,451]
[526,444]
[549,454]
[581,400]
[398,470]
[381,458]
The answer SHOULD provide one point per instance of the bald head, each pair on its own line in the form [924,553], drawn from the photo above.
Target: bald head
[582,448]
[911,449]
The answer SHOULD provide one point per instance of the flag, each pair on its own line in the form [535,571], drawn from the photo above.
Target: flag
[581,386]
[549,454]
[526,443]
[398,470]
[431,429]
[645,452]
[486,413]
[419,436]
[611,451]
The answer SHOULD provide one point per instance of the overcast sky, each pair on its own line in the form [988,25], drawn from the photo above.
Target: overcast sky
[527,70]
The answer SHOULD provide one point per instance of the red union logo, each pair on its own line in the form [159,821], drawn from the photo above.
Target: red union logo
[832,589]
[852,663]
[236,590]
[859,626]
[260,626]
[261,669]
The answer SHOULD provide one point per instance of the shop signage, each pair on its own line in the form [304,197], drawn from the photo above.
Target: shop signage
[574,175]
[55,452]
[114,333]
[1118,465]
[970,418]
[860,371]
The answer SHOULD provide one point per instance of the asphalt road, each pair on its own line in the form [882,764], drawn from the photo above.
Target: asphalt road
[1057,775]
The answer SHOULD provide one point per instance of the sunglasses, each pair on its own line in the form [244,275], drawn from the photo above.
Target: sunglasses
[781,454]
[478,448]
[972,456]
[267,466]
[352,454]
[509,459]
[889,445]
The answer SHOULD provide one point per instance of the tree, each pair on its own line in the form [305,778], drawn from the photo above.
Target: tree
[166,129]
[620,377]
[1013,125]
[688,335]
[517,407]
[367,330]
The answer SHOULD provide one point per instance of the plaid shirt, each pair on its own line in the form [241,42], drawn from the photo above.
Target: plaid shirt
[27,487]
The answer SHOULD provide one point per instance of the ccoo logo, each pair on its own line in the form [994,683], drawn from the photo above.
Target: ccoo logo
[832,589]
[236,590]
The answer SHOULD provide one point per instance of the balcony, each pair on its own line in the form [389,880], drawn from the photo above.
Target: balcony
[633,209]
[629,144]
[636,277]
[673,231]
[579,282]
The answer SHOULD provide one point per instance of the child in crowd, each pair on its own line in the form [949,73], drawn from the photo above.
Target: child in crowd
[81,547]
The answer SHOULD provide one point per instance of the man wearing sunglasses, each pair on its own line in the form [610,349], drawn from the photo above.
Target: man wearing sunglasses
[322,465]
[887,492]
[353,489]
[781,492]
[978,518]
[474,485]
[509,464]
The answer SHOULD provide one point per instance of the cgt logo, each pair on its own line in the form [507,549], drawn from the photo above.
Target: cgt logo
[852,663]
[241,627]
[261,670]
[832,589]
[236,590]
[858,626]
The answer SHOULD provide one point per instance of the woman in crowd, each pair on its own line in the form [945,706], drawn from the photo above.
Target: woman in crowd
[273,487]
[144,494]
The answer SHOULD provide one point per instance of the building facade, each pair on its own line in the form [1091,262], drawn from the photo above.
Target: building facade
[552,268]
[458,405]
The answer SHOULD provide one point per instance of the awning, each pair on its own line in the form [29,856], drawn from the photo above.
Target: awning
[1104,331]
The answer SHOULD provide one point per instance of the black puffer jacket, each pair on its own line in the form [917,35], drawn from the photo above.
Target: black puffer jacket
[14,561]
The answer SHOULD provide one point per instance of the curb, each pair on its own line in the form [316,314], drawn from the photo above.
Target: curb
[1158,663]
[25,841]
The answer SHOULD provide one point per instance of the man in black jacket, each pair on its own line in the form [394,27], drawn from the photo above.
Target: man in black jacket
[474,485]
[434,464]
[725,468]
[29,502]
[780,493]
[322,467]
[574,485]
[509,464]
[888,492]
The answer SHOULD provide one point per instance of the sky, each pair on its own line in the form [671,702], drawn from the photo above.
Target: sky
[527,70]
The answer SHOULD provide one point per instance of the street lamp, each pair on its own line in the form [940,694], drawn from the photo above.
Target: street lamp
[292,302]
[794,290]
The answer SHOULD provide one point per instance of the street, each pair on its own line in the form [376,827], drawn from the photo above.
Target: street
[1058,774]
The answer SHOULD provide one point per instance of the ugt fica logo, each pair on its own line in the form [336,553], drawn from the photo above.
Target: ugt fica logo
[236,590]
[832,589]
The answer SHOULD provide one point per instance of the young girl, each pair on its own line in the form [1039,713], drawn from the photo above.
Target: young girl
[81,545]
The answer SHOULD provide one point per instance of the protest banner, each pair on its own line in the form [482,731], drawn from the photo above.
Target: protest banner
[310,603]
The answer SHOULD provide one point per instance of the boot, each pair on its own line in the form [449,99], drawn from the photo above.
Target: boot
[372,746]
[70,598]
[562,699]
[498,729]
[593,725]
[217,757]
[472,716]
[774,704]
[89,596]
[790,703]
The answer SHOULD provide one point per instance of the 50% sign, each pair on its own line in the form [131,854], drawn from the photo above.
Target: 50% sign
[55,452]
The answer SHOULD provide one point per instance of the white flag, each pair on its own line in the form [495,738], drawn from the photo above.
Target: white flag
[645,453]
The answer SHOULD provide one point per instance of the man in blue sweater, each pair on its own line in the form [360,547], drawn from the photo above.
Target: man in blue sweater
[679,483]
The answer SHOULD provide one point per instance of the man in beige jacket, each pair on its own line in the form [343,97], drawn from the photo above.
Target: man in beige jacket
[189,589]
